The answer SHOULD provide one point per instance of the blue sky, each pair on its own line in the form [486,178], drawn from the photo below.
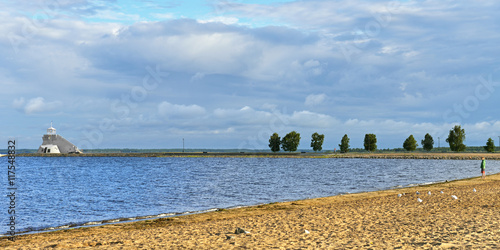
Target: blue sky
[228,74]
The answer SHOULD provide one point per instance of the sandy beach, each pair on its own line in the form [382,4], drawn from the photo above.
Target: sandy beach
[374,220]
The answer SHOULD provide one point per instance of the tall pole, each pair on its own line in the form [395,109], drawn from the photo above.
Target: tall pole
[182,145]
[498,141]
[439,142]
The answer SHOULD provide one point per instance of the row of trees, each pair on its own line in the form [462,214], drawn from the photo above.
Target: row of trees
[455,139]
[291,142]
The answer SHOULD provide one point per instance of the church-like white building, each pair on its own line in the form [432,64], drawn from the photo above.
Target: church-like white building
[56,144]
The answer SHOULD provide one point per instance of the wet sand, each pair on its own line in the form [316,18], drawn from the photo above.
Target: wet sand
[376,220]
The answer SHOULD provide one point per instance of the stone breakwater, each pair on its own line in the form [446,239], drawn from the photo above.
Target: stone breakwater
[429,156]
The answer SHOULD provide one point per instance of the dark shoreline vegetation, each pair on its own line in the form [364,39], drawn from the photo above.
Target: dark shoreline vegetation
[303,154]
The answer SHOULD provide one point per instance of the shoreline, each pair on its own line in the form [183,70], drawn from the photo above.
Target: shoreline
[87,236]
[139,218]
[418,155]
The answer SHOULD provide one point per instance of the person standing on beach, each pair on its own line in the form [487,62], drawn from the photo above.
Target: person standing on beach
[483,166]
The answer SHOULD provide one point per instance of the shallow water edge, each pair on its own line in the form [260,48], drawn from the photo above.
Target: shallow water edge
[170,215]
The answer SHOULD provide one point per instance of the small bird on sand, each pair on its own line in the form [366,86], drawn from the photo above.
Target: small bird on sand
[418,192]
[306,232]
[454,197]
[429,193]
[419,200]
[399,195]
[474,190]
[442,192]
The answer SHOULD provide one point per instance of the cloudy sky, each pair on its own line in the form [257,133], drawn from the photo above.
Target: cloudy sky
[227,74]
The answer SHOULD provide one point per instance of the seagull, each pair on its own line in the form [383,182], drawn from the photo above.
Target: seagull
[419,200]
[429,193]
[474,190]
[306,232]
[454,197]
[442,192]
[399,195]
[418,192]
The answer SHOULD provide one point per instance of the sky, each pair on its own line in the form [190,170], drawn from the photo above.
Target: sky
[227,74]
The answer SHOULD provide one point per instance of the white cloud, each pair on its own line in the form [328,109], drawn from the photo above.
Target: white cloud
[180,111]
[314,100]
[310,119]
[211,48]
[163,15]
[221,19]
[243,116]
[197,77]
[229,130]
[311,64]
[37,105]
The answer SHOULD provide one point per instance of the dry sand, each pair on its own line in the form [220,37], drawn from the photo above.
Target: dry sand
[376,220]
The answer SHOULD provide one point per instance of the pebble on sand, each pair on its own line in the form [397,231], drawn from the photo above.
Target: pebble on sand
[241,231]
[419,200]
[454,197]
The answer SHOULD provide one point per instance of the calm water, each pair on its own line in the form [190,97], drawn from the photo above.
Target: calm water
[60,191]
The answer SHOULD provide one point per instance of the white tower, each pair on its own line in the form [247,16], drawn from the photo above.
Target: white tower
[55,144]
[51,130]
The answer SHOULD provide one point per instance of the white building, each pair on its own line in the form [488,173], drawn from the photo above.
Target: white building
[56,144]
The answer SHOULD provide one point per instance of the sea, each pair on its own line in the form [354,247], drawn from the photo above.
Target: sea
[65,192]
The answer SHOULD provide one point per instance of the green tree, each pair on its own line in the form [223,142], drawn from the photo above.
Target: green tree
[274,142]
[317,141]
[410,143]
[456,139]
[490,146]
[344,144]
[370,142]
[290,142]
[428,142]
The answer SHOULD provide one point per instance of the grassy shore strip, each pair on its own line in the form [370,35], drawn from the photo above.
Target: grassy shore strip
[435,156]
[363,220]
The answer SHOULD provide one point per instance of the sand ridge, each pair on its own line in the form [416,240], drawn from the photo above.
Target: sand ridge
[374,220]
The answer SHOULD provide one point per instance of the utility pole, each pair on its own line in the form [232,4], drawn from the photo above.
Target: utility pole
[439,142]
[182,145]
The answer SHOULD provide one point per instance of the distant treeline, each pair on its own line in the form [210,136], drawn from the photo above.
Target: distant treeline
[455,140]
